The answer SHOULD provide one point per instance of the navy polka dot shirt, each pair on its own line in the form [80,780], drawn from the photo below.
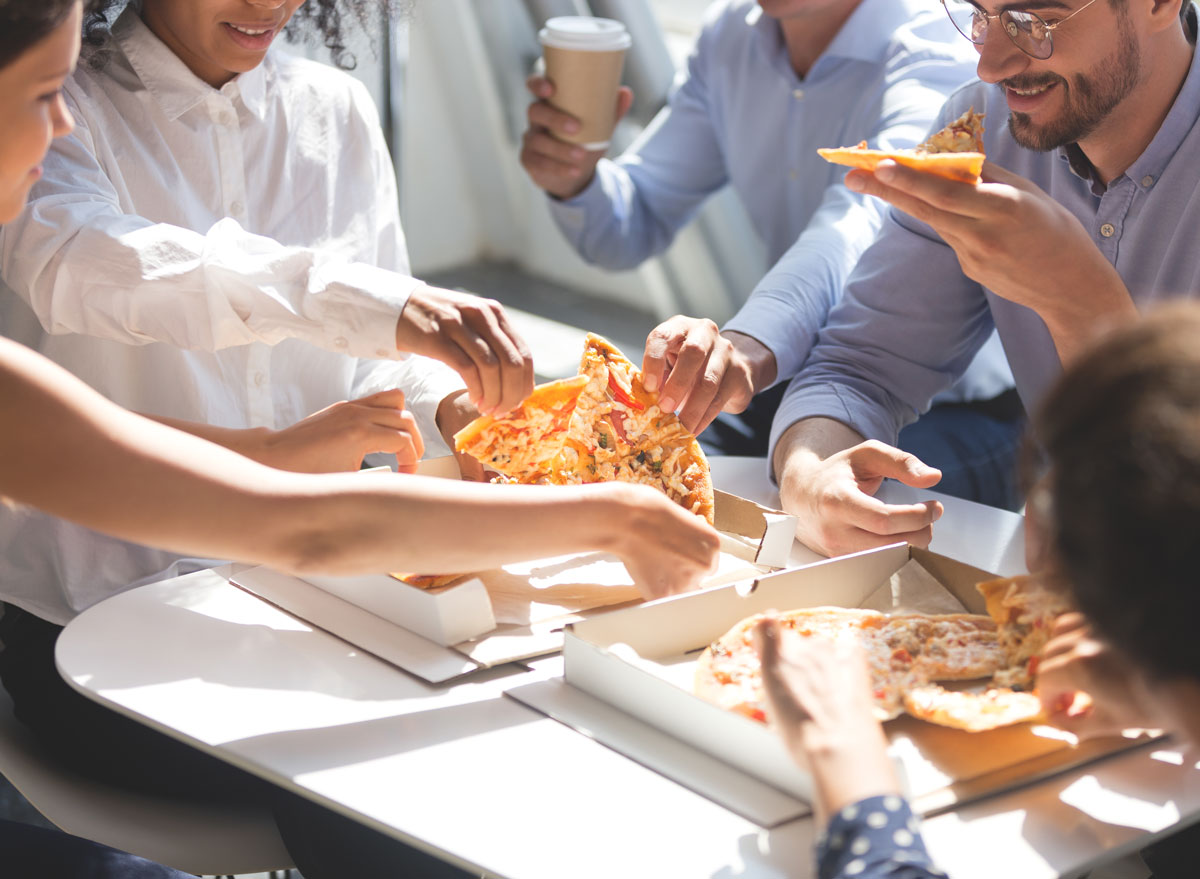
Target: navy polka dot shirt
[877,838]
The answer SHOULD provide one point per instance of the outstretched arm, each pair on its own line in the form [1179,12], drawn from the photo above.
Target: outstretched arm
[73,454]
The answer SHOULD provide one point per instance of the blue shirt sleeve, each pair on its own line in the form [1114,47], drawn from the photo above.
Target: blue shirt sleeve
[634,206]
[876,838]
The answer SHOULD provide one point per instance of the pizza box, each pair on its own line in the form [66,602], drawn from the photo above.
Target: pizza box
[509,614]
[640,662]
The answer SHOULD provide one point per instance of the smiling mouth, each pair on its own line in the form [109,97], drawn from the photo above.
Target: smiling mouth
[249,31]
[1030,92]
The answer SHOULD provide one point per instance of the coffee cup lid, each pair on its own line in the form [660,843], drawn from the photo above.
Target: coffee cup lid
[586,33]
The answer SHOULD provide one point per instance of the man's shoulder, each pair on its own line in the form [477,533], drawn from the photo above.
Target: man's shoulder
[728,21]
[926,34]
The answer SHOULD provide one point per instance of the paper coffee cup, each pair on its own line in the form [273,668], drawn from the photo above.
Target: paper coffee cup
[584,57]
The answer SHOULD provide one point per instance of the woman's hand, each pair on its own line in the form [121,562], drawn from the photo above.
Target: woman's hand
[666,549]
[339,436]
[1089,689]
[819,699]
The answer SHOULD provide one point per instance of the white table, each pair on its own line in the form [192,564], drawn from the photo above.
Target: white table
[490,784]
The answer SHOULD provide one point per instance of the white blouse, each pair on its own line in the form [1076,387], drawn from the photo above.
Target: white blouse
[231,256]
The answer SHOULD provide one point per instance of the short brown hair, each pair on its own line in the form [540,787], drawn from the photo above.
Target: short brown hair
[1122,433]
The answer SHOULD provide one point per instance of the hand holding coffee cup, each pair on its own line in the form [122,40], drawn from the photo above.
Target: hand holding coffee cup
[580,101]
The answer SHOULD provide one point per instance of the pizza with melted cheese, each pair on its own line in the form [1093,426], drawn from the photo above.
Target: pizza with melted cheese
[1024,609]
[904,652]
[955,152]
[618,433]
[522,444]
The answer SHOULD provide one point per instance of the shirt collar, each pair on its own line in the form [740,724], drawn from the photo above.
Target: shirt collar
[864,36]
[168,79]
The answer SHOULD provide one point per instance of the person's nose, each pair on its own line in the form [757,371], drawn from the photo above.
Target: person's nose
[999,57]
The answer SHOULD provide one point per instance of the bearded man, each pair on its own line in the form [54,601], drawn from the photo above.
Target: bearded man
[1086,213]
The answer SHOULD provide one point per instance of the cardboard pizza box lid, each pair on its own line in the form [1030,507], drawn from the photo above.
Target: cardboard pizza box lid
[506,615]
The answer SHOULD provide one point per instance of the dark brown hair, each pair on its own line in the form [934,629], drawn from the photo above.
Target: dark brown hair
[23,23]
[1121,430]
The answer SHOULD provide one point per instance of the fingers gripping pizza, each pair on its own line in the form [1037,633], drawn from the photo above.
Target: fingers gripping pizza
[904,652]
[618,433]
[955,152]
[523,444]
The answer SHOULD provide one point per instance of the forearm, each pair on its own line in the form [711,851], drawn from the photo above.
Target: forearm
[849,766]
[252,442]
[1076,322]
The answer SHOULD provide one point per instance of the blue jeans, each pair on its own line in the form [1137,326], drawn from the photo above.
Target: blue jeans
[975,445]
[26,850]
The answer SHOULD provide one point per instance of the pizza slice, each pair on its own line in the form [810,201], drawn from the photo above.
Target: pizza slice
[1024,609]
[955,152]
[522,444]
[427,581]
[973,712]
[618,433]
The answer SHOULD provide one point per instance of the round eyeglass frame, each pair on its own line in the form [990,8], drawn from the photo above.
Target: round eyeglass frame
[1018,25]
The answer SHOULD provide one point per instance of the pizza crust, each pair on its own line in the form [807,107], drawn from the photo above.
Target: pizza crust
[954,152]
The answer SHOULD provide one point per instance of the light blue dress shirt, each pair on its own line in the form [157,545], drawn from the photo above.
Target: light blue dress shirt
[742,116]
[910,321]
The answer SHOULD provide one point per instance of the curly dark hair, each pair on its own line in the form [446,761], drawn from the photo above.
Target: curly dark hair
[25,22]
[1122,433]
[326,21]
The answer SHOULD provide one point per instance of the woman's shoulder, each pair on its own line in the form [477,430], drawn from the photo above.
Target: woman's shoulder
[304,77]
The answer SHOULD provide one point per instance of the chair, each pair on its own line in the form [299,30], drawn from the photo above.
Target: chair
[194,837]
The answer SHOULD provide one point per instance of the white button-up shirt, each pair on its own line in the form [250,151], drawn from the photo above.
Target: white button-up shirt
[231,256]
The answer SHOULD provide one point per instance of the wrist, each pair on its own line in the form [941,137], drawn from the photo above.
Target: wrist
[759,359]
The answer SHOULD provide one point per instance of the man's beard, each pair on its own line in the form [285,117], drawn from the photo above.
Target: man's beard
[1090,99]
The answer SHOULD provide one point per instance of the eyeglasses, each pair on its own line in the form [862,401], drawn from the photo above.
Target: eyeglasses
[1029,32]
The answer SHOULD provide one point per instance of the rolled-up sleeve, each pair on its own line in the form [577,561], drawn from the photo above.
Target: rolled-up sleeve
[86,266]
[790,304]
[634,206]
[907,327]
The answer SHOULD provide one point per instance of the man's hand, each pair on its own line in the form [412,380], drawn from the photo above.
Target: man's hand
[702,370]
[1017,241]
[473,337]
[1076,662]
[454,413]
[339,436]
[829,483]
[819,699]
[562,169]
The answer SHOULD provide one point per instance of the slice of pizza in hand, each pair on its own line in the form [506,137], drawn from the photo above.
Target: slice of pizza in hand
[618,433]
[522,444]
[955,152]
[426,581]
[1024,609]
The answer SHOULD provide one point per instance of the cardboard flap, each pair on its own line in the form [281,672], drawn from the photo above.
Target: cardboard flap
[772,530]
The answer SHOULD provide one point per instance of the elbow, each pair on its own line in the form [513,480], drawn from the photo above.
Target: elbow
[313,551]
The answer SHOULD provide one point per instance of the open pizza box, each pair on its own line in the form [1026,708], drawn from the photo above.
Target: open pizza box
[513,613]
[628,676]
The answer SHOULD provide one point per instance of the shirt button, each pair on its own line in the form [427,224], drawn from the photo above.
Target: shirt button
[228,119]
[259,378]
[236,207]
[340,342]
[1107,230]
[1147,181]
[793,174]
[798,94]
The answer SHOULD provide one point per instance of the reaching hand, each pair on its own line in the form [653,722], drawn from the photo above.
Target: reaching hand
[834,501]
[560,168]
[666,549]
[473,337]
[339,436]
[819,699]
[702,371]
[1075,662]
